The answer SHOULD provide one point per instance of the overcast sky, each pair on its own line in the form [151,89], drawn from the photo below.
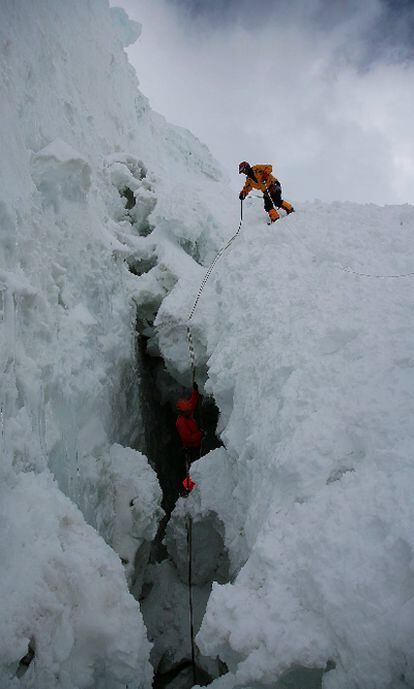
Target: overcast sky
[322,89]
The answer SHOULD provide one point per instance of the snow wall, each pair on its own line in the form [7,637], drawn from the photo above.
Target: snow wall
[303,518]
[87,174]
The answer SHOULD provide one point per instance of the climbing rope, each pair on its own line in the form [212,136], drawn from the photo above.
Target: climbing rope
[190,590]
[347,269]
[191,353]
[201,288]
[189,527]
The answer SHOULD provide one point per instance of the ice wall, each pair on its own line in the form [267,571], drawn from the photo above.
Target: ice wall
[90,181]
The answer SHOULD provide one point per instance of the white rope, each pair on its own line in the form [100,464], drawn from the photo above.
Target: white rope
[347,269]
[210,269]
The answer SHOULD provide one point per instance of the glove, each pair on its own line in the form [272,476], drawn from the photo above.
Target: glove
[242,195]
[195,386]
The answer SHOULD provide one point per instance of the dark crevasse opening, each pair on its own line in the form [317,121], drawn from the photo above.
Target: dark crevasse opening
[300,677]
[181,675]
[164,595]
[161,442]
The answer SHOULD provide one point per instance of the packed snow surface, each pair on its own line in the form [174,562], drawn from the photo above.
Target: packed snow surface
[312,367]
[109,218]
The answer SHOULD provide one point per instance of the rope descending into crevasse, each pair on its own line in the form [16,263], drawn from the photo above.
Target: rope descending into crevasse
[189,528]
[190,592]
[347,269]
[191,352]
[200,291]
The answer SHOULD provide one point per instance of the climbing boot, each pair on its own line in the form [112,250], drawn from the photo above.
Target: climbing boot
[287,207]
[273,215]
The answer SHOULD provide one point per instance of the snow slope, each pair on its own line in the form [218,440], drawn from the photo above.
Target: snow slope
[312,367]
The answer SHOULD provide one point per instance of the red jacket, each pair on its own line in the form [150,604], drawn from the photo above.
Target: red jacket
[187,427]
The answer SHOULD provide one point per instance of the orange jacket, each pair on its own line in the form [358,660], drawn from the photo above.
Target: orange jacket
[187,427]
[264,177]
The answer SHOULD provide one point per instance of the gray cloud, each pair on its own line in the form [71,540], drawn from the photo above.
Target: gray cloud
[383,27]
[300,87]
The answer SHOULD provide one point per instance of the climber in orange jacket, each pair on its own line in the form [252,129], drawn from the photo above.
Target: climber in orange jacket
[260,177]
[188,430]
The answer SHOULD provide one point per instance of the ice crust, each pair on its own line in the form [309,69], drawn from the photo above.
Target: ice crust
[77,139]
[108,213]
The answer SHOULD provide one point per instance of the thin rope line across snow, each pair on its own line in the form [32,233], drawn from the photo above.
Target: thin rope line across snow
[348,269]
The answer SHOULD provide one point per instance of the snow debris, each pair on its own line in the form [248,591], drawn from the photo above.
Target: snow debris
[129,516]
[63,587]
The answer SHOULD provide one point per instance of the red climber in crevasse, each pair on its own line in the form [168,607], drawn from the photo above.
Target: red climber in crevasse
[189,432]
[187,427]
